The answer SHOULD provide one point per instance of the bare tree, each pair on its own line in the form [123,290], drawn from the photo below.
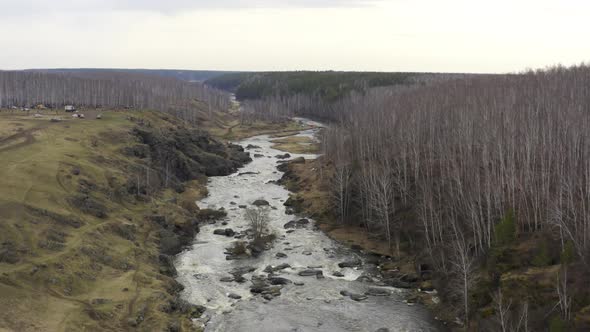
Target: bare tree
[341,189]
[502,309]
[463,273]
[108,89]
[565,298]
[258,219]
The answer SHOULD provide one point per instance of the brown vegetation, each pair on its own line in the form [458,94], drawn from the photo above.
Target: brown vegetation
[462,170]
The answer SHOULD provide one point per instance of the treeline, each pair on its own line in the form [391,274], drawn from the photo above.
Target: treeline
[327,85]
[466,167]
[108,89]
[181,74]
[309,103]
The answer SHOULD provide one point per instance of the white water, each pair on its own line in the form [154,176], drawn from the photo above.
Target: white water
[315,306]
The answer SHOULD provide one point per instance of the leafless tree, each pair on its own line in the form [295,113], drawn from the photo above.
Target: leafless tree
[564,296]
[502,309]
[109,89]
[258,219]
[463,273]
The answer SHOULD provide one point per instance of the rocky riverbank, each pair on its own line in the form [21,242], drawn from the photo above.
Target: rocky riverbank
[298,279]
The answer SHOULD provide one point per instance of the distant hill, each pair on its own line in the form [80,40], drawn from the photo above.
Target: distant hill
[185,75]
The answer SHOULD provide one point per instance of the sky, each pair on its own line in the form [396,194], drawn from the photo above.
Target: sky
[364,35]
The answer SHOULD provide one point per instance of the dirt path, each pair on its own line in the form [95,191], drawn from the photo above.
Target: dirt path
[26,134]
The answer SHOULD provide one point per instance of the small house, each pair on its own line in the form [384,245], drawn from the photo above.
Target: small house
[70,108]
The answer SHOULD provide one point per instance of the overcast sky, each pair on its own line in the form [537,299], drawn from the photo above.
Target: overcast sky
[387,35]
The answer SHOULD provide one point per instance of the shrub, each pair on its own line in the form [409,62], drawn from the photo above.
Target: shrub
[506,229]
[567,255]
[209,214]
[258,219]
[557,325]
[238,248]
[542,258]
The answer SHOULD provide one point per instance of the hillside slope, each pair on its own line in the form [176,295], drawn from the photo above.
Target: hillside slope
[91,212]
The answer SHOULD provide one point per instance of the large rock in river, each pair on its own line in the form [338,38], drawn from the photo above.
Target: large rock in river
[351,263]
[260,202]
[225,232]
[301,223]
[310,272]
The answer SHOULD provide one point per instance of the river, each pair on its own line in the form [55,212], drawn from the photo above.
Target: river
[305,303]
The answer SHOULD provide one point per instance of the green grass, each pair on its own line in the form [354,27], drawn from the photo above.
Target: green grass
[55,287]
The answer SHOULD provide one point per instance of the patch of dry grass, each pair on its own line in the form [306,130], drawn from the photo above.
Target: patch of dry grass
[296,144]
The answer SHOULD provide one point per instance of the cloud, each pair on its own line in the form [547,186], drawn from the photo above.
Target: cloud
[39,7]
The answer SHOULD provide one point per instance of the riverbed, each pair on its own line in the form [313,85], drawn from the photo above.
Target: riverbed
[306,303]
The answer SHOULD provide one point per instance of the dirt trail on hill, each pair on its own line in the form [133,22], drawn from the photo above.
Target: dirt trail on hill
[26,134]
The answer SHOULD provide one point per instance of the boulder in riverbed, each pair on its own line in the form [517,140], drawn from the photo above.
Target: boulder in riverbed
[281,267]
[351,263]
[301,223]
[260,202]
[279,281]
[225,232]
[358,297]
[309,272]
[283,156]
[374,291]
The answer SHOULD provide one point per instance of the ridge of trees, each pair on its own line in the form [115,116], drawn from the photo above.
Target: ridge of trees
[329,86]
[476,160]
[181,74]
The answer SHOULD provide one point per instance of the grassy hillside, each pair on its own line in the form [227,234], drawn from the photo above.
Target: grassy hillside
[91,212]
[77,250]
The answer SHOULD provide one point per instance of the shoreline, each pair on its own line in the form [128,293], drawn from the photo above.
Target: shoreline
[309,199]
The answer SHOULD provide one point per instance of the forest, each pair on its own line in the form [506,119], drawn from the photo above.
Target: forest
[327,85]
[181,74]
[487,177]
[108,89]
